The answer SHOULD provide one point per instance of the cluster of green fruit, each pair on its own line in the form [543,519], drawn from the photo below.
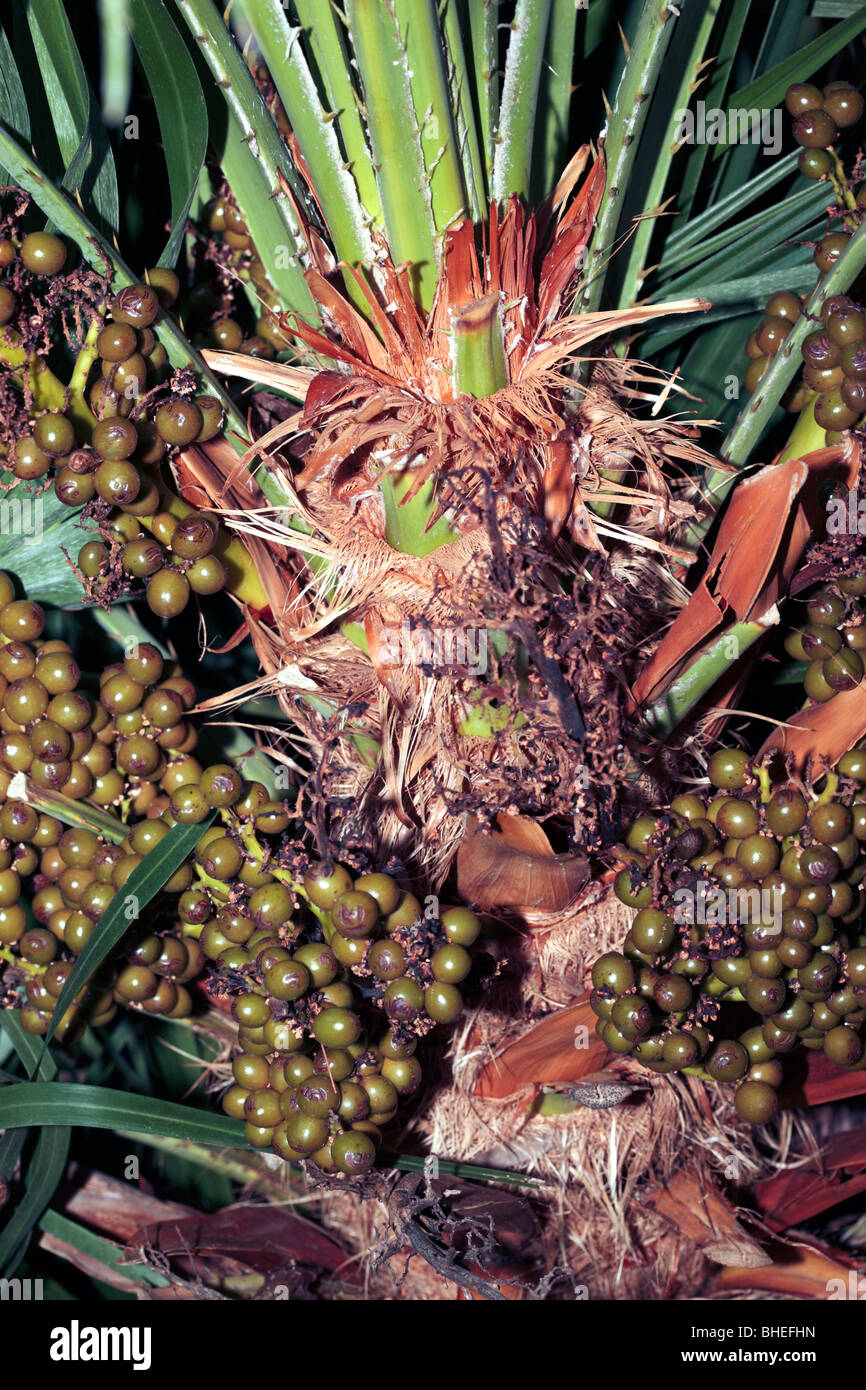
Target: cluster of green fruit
[109,457]
[332,981]
[834,358]
[832,638]
[747,899]
[781,312]
[834,354]
[225,222]
[39,253]
[176,559]
[106,750]
[330,1012]
[818,118]
[127,749]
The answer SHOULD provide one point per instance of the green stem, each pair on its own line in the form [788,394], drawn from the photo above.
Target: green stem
[48,390]
[467,127]
[398,157]
[418,24]
[483,39]
[551,141]
[232,1164]
[28,966]
[624,128]
[327,41]
[514,138]
[281,49]
[830,789]
[680,698]
[78,407]
[636,254]
[479,367]
[262,140]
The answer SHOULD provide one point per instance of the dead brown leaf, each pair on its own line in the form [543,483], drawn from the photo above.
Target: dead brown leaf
[515,866]
[562,1047]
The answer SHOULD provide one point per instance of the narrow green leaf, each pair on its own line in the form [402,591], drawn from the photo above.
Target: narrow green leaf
[724,343]
[73,106]
[659,142]
[34,527]
[71,812]
[97,1248]
[771,234]
[98,1107]
[44,1173]
[835,9]
[12,1142]
[395,140]
[769,89]
[526,49]
[37,1062]
[696,229]
[13,102]
[123,624]
[71,221]
[780,222]
[731,298]
[726,46]
[180,106]
[48,1161]
[781,38]
[473,1172]
[143,884]
[114,21]
[77,167]
[600,20]
[781,34]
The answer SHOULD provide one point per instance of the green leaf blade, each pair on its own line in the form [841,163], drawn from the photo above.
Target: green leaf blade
[180,107]
[43,1103]
[143,884]
[13,102]
[73,107]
